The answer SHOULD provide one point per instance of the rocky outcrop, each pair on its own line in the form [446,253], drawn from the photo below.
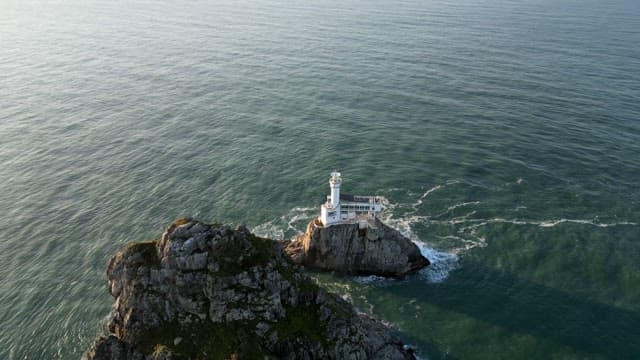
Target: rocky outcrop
[350,249]
[209,292]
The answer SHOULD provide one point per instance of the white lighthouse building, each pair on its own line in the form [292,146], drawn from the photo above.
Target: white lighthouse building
[344,208]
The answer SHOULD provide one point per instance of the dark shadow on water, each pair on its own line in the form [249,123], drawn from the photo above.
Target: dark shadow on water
[522,306]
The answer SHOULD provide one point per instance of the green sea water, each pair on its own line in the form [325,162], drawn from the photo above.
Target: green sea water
[505,136]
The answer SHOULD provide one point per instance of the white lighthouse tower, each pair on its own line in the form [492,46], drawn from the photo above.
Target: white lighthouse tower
[334,182]
[330,211]
[344,208]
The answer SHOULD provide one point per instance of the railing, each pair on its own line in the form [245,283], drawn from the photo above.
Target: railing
[369,219]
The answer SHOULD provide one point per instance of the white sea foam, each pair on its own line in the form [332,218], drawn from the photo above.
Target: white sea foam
[287,224]
[465,231]
[442,263]
[420,200]
[369,279]
[542,223]
[426,193]
[347,298]
[269,230]
[468,203]
[552,223]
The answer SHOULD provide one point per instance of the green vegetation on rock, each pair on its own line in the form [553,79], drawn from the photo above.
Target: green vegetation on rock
[212,292]
[301,322]
[203,340]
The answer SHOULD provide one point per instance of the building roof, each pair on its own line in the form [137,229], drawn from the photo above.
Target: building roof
[355,198]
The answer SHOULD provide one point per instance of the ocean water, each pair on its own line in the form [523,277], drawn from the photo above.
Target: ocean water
[505,136]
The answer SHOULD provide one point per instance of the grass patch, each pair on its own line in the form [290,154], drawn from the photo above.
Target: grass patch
[286,272]
[307,286]
[204,340]
[262,251]
[341,311]
[301,322]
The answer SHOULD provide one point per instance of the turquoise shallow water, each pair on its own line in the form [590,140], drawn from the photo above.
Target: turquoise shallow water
[504,135]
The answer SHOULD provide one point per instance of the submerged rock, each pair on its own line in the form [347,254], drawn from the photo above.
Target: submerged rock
[375,249]
[209,292]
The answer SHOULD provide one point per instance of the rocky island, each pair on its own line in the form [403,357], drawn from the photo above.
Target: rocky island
[372,249]
[349,238]
[207,291]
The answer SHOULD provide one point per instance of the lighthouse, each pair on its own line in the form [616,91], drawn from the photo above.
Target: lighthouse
[347,209]
[334,182]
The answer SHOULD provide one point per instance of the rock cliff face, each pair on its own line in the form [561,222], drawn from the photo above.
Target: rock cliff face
[209,292]
[345,248]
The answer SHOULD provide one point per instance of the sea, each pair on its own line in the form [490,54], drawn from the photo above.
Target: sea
[504,136]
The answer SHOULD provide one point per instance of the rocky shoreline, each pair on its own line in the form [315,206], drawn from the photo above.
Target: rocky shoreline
[206,291]
[376,249]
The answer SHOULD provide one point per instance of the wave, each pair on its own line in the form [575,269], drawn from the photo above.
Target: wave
[540,223]
[288,225]
[444,250]
[468,203]
[442,263]
[552,223]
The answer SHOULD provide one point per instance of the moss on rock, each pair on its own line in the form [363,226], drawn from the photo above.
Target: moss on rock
[301,322]
[209,292]
[203,340]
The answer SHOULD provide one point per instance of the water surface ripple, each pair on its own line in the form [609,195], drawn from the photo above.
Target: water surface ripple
[503,134]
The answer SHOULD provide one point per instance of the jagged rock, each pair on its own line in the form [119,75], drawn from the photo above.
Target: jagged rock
[210,292]
[112,348]
[347,248]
